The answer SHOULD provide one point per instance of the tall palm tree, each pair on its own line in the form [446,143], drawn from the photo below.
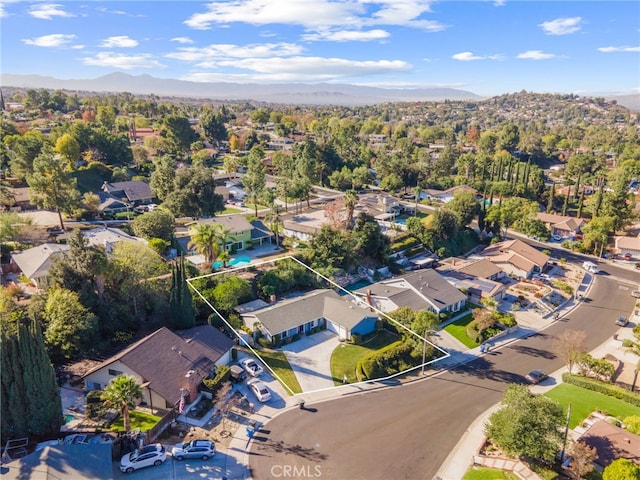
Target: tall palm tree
[224,237]
[205,239]
[350,202]
[122,393]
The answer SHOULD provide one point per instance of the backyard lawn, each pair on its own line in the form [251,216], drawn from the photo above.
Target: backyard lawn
[459,330]
[584,402]
[280,365]
[483,473]
[345,357]
[141,420]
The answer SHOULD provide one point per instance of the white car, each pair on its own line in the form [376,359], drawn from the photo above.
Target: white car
[251,367]
[260,390]
[635,293]
[148,456]
[203,449]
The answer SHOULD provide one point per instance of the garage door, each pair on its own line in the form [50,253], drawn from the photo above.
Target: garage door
[336,328]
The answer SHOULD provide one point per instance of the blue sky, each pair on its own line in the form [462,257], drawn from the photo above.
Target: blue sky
[486,47]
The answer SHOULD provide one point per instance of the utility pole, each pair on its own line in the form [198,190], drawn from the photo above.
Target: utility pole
[566,433]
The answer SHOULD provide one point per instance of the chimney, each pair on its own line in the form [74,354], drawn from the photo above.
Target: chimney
[369,296]
[191,381]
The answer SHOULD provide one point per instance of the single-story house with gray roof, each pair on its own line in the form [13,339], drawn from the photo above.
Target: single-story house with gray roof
[419,290]
[298,315]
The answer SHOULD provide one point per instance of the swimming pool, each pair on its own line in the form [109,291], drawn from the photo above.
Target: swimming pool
[242,261]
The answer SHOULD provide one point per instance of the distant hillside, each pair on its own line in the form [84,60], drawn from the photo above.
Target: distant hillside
[291,93]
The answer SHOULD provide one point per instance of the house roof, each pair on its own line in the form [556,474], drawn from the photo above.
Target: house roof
[20,194]
[561,222]
[629,243]
[105,235]
[35,262]
[513,251]
[109,202]
[134,190]
[417,290]
[164,357]
[475,285]
[461,188]
[612,442]
[63,462]
[235,223]
[260,230]
[292,312]
[482,268]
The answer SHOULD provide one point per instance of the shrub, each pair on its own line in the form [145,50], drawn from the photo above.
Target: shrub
[391,359]
[356,339]
[222,375]
[603,387]
[265,342]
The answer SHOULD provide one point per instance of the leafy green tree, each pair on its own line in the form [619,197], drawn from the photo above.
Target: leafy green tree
[13,225]
[254,180]
[156,224]
[391,183]
[509,211]
[122,393]
[194,194]
[527,424]
[163,177]
[23,151]
[444,223]
[465,205]
[51,187]
[178,131]
[632,424]
[369,239]
[596,232]
[71,329]
[230,292]
[508,138]
[69,149]
[27,373]
[213,127]
[615,203]
[205,238]
[621,469]
[106,117]
[180,298]
[331,248]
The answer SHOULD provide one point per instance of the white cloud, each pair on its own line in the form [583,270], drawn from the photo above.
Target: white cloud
[183,40]
[316,14]
[618,49]
[561,26]
[466,57]
[53,40]
[299,69]
[46,11]
[536,55]
[499,3]
[119,41]
[347,35]
[224,51]
[124,62]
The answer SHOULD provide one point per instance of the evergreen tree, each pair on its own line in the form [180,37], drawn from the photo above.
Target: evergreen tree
[31,404]
[552,195]
[566,202]
[180,300]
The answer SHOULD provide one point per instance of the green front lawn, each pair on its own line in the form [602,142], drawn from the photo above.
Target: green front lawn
[484,473]
[345,357]
[584,402]
[143,421]
[229,211]
[459,330]
[280,365]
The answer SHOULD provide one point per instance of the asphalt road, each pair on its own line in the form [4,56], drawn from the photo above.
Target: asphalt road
[407,432]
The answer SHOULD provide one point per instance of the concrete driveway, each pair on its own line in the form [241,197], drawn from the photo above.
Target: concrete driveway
[309,358]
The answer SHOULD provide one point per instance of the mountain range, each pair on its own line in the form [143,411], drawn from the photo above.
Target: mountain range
[289,93]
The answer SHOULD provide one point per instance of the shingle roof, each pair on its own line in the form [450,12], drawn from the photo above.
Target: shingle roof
[628,243]
[134,190]
[35,262]
[612,442]
[235,223]
[163,358]
[516,248]
[292,312]
[482,268]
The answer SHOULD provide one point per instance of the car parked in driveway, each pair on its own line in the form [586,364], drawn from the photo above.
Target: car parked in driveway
[534,377]
[635,293]
[251,367]
[204,449]
[259,389]
[147,456]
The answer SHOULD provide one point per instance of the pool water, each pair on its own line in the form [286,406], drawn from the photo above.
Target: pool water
[356,285]
[234,262]
[68,418]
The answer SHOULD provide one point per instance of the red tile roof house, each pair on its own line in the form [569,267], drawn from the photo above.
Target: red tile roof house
[516,258]
[165,362]
[561,225]
[628,245]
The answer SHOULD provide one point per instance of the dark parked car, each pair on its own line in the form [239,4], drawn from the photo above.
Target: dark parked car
[534,377]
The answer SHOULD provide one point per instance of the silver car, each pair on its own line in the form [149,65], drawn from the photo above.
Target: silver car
[203,449]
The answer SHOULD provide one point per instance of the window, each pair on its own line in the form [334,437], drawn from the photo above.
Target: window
[114,373]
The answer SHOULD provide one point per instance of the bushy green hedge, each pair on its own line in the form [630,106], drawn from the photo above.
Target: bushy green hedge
[603,387]
[403,243]
[393,358]
[213,384]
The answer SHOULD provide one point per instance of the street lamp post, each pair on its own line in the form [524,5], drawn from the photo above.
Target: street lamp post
[424,347]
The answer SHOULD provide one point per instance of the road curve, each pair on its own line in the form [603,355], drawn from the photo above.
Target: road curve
[407,432]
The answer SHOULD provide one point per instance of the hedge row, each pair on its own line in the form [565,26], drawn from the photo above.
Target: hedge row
[603,387]
[404,243]
[393,358]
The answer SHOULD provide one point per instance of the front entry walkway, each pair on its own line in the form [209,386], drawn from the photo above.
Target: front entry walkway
[310,358]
